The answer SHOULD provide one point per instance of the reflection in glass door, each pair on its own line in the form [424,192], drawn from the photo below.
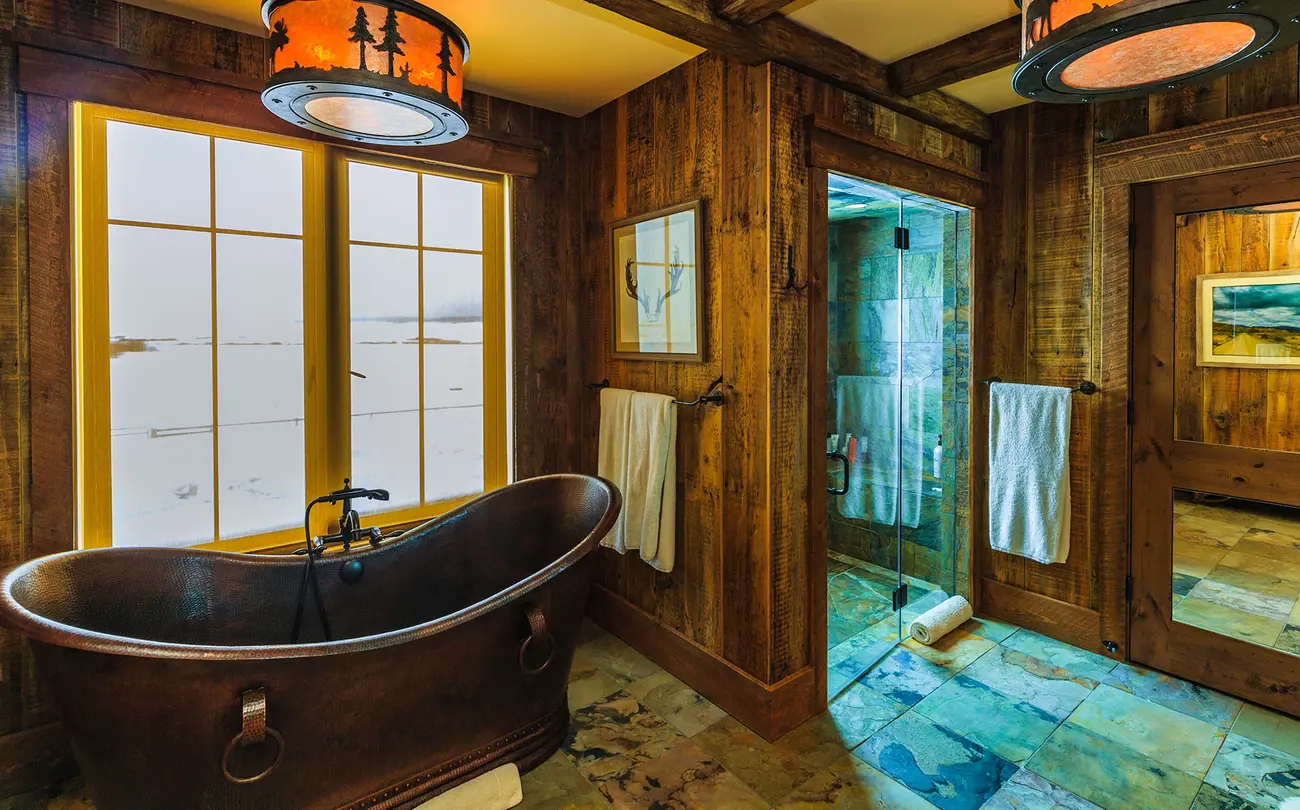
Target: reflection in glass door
[1216,436]
[896,360]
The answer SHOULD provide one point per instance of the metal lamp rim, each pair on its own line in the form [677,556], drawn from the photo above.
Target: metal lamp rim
[1038,75]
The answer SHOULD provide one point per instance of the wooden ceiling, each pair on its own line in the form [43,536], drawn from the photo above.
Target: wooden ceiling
[936,60]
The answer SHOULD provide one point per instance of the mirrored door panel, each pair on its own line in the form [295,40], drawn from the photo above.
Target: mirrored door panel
[1237,316]
[1236,567]
[1216,433]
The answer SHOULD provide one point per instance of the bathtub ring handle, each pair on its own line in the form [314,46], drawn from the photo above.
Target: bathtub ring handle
[253,731]
[238,740]
[536,630]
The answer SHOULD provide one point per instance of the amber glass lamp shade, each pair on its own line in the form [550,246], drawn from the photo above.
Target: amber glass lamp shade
[1091,50]
[388,72]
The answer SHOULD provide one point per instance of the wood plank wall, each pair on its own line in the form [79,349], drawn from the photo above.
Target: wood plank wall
[734,136]
[1237,407]
[1039,322]
[35,357]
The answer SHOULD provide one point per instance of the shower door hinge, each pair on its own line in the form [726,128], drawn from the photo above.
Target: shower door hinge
[900,597]
[902,239]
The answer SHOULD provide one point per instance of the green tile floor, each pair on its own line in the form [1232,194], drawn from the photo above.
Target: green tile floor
[991,717]
[1237,571]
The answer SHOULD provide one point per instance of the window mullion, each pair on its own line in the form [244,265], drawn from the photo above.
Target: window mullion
[216,445]
[419,250]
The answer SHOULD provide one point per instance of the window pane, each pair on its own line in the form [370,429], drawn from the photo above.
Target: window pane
[453,213]
[261,442]
[259,188]
[158,175]
[384,290]
[382,205]
[160,378]
[453,462]
[453,374]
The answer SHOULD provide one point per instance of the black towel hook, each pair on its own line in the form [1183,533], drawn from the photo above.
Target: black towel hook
[789,263]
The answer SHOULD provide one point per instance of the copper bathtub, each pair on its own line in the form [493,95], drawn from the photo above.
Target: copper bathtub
[173,677]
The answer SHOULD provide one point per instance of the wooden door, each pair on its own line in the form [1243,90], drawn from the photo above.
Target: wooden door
[1216,435]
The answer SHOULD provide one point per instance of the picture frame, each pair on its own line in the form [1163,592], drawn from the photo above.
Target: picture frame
[657,267]
[1248,320]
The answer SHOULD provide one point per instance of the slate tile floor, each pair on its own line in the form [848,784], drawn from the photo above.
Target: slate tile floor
[861,622]
[1237,572]
[998,718]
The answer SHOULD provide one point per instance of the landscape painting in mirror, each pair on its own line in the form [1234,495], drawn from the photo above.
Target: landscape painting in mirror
[656,283]
[1249,320]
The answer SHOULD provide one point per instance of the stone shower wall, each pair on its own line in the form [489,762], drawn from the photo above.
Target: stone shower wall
[935,362]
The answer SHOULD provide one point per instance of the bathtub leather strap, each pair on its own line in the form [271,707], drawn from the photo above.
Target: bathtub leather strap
[538,635]
[253,730]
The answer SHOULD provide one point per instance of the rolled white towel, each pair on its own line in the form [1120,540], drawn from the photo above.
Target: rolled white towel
[940,620]
[497,789]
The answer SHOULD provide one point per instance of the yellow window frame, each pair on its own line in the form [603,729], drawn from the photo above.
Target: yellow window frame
[496,469]
[325,301]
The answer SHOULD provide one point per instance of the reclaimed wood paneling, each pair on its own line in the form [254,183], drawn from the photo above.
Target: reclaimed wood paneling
[734,135]
[15,462]
[695,133]
[1054,305]
[175,66]
[49,326]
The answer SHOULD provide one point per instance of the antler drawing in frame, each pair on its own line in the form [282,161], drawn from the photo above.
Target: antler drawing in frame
[676,269]
[656,257]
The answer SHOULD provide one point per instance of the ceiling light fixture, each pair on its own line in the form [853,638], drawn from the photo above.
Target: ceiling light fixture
[1093,50]
[388,72]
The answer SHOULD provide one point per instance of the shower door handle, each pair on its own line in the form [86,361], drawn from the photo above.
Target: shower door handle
[843,459]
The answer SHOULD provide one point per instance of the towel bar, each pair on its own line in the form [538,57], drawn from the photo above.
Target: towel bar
[709,397]
[1087,387]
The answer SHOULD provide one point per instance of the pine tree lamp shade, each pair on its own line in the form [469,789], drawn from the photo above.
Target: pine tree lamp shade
[387,72]
[1091,50]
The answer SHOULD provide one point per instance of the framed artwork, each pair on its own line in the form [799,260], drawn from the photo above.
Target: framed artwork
[1248,320]
[657,282]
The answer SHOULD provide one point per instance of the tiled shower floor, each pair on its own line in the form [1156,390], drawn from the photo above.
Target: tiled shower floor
[991,717]
[861,622]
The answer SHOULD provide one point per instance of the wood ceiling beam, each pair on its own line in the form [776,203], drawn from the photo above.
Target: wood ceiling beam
[748,12]
[966,57]
[778,39]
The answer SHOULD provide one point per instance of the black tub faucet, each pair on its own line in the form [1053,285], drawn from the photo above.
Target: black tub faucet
[350,530]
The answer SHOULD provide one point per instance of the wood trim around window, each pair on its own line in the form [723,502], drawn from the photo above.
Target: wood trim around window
[62,67]
[84,471]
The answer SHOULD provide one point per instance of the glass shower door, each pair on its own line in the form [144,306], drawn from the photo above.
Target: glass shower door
[896,419]
[864,427]
[928,264]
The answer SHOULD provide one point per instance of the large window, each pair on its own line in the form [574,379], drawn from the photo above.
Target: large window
[234,361]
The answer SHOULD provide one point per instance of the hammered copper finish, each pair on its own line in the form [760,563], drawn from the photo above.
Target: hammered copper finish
[153,655]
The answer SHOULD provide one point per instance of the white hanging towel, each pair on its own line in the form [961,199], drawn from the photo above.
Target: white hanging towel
[638,453]
[881,481]
[1029,471]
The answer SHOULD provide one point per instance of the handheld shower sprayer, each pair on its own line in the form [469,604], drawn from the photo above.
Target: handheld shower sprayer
[349,532]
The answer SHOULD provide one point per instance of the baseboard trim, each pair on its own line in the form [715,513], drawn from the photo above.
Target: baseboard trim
[34,758]
[1062,621]
[771,710]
